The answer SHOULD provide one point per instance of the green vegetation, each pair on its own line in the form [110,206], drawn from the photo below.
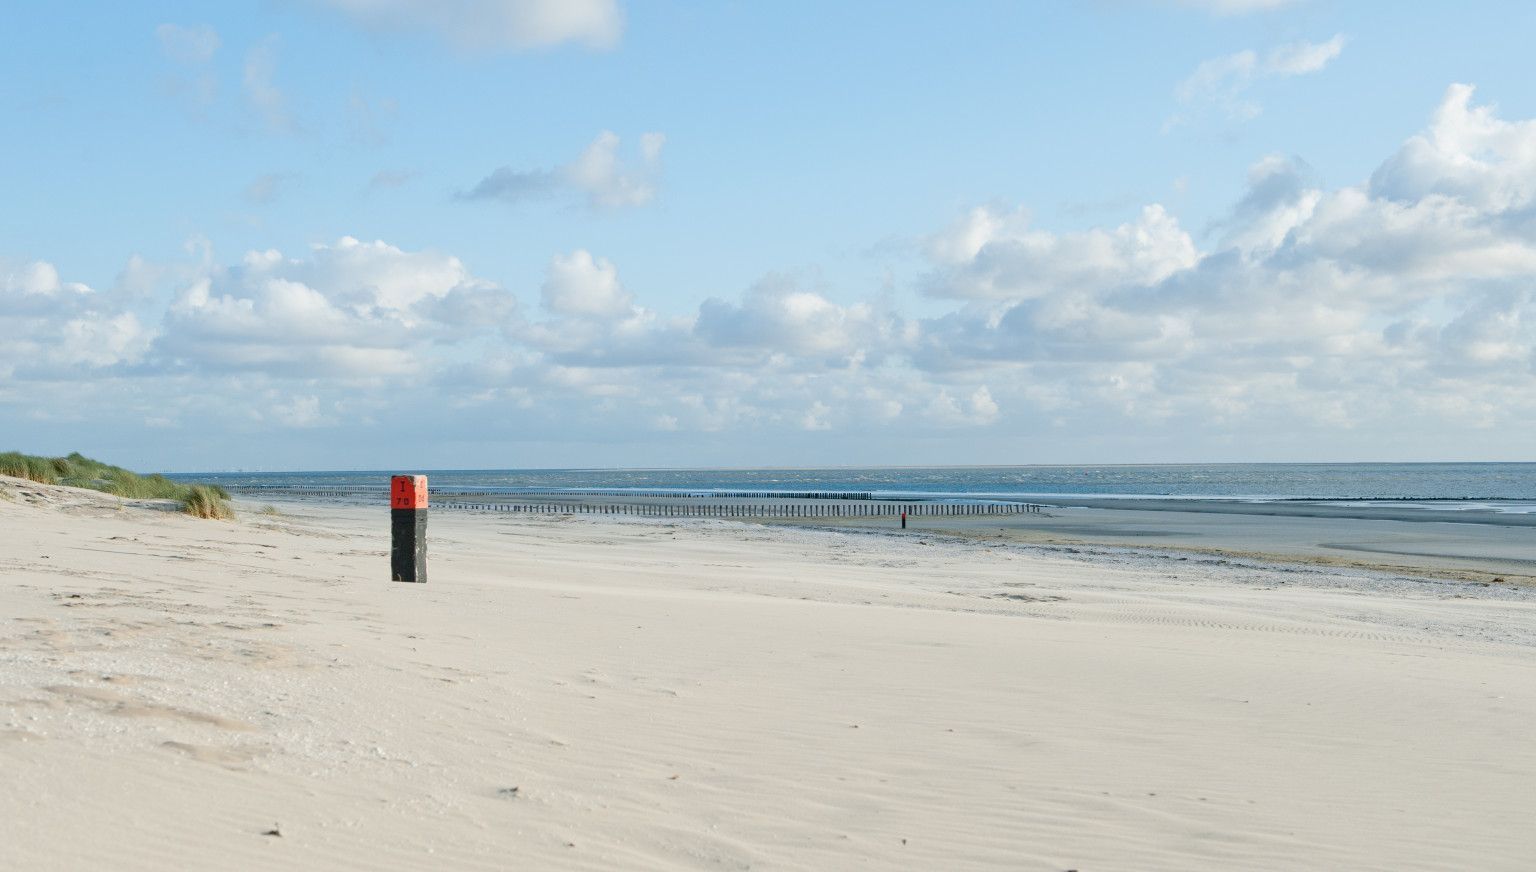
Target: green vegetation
[39,469]
[204,501]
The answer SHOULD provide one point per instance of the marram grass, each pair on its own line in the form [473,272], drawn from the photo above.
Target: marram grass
[76,470]
[207,502]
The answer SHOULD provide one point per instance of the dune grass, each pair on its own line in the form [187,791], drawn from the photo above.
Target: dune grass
[39,469]
[77,470]
[205,501]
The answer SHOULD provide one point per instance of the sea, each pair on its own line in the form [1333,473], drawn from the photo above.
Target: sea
[1498,486]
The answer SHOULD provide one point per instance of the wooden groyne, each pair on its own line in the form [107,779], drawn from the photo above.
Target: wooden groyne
[667,504]
[786,509]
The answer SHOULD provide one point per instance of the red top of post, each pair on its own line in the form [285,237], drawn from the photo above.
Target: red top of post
[408,492]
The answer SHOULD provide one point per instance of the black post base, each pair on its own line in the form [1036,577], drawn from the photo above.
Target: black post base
[408,549]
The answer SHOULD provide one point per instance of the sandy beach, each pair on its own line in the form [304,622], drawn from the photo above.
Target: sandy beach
[595,693]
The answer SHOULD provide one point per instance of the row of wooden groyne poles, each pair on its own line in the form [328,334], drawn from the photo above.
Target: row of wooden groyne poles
[785,509]
[673,504]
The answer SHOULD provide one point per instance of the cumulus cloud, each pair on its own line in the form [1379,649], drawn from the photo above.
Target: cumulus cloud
[351,308]
[988,255]
[37,281]
[778,316]
[607,181]
[776,325]
[481,25]
[1223,83]
[1307,309]
[585,287]
[1468,154]
[1280,194]
[1329,305]
[57,329]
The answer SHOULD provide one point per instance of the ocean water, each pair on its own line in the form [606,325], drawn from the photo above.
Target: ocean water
[1465,483]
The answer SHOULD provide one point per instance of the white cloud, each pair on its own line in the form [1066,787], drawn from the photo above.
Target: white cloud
[584,287]
[777,316]
[1468,154]
[352,308]
[776,323]
[816,417]
[1300,58]
[1223,82]
[480,25]
[977,409]
[378,276]
[36,279]
[298,411]
[650,146]
[1317,305]
[607,181]
[988,255]
[1309,311]
[103,341]
[56,329]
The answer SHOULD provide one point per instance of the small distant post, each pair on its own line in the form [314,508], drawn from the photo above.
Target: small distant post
[903,520]
[408,526]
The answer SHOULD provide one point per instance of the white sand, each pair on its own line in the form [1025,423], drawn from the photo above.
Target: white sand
[710,695]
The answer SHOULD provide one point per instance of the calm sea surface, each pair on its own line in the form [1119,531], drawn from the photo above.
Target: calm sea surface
[1330,481]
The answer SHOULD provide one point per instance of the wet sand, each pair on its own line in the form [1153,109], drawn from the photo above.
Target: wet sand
[1478,547]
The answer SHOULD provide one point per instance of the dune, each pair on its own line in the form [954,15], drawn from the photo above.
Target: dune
[589,693]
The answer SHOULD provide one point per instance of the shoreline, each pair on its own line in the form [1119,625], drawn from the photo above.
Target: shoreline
[1115,552]
[1299,507]
[1488,549]
[1476,554]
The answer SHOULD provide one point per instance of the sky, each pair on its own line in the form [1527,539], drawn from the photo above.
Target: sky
[381,234]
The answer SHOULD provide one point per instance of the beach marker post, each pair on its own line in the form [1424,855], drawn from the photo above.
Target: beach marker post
[408,528]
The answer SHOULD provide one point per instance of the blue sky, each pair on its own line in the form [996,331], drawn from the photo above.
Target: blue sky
[370,233]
